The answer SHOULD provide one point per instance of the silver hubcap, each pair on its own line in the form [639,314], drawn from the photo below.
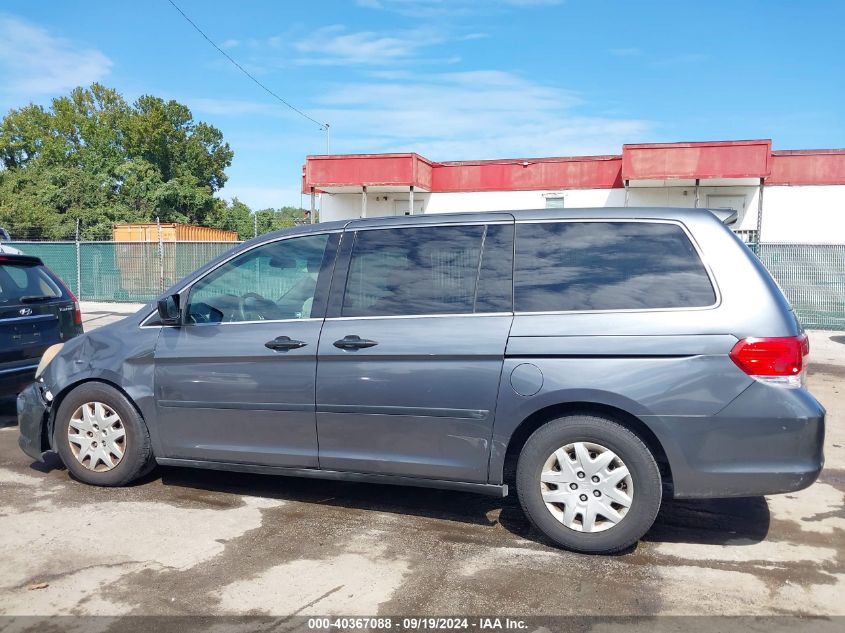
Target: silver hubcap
[96,436]
[586,487]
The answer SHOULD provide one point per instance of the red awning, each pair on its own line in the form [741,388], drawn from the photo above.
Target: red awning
[689,161]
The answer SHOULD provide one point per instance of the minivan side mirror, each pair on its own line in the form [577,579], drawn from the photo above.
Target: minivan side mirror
[168,310]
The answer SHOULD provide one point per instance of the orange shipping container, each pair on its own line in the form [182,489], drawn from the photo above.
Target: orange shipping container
[148,232]
[144,271]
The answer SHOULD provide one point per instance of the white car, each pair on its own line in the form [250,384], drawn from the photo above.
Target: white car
[8,250]
[5,248]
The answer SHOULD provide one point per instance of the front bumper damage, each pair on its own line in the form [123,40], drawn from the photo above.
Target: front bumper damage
[33,420]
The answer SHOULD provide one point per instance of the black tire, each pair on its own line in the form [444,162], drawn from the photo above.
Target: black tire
[645,475]
[137,458]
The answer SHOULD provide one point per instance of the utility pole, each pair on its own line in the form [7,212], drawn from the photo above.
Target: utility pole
[255,223]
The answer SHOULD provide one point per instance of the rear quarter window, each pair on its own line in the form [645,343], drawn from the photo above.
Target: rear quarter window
[568,266]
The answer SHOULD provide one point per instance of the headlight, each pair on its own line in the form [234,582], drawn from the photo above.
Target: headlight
[49,355]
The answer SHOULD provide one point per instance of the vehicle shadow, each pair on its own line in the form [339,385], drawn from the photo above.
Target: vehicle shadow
[8,412]
[712,522]
[738,521]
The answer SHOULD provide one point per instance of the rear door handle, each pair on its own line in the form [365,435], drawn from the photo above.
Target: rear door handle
[282,343]
[352,341]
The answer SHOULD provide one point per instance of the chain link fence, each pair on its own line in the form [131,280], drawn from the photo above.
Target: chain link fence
[811,275]
[122,271]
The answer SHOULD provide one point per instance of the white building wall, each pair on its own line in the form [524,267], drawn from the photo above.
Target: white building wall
[515,200]
[685,197]
[809,214]
[341,206]
[346,206]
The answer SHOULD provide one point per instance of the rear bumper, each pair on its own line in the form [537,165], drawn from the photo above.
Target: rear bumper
[32,422]
[767,441]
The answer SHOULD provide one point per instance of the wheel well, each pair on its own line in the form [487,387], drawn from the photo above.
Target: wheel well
[57,402]
[631,422]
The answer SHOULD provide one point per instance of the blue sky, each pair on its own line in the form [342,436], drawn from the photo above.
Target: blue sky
[450,79]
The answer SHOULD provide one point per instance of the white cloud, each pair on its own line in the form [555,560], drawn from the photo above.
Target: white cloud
[467,115]
[474,36]
[36,63]
[230,43]
[334,45]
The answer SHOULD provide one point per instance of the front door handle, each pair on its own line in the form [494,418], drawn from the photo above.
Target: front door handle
[282,343]
[352,341]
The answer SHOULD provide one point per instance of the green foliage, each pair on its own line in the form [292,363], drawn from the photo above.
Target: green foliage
[91,156]
[275,219]
[239,217]
[235,217]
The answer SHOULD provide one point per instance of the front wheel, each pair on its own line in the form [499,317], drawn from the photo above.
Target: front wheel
[589,484]
[100,436]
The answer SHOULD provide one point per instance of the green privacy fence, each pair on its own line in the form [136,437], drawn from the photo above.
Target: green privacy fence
[811,275]
[122,271]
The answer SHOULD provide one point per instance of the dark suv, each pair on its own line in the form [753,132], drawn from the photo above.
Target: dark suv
[614,355]
[36,311]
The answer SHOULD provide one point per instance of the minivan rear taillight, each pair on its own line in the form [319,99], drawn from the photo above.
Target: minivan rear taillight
[776,361]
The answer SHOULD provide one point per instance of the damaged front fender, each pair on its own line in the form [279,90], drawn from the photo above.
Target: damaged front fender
[33,414]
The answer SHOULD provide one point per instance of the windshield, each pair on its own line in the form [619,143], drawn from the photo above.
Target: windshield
[22,283]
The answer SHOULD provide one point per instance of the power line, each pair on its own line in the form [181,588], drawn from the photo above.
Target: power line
[323,126]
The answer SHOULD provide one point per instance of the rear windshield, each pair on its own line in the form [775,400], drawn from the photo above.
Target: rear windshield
[570,266]
[23,283]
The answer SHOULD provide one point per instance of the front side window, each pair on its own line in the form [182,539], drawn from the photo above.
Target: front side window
[566,266]
[419,270]
[271,282]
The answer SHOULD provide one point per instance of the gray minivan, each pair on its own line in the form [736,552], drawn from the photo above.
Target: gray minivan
[613,356]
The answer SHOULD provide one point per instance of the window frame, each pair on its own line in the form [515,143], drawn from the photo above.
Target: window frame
[344,262]
[708,270]
[323,283]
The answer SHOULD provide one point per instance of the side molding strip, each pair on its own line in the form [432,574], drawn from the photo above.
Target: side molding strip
[247,406]
[421,412]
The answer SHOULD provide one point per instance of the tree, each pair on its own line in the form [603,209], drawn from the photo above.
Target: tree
[165,135]
[275,219]
[239,217]
[92,156]
[235,217]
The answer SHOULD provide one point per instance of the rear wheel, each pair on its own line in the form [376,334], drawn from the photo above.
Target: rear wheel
[589,484]
[100,436]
